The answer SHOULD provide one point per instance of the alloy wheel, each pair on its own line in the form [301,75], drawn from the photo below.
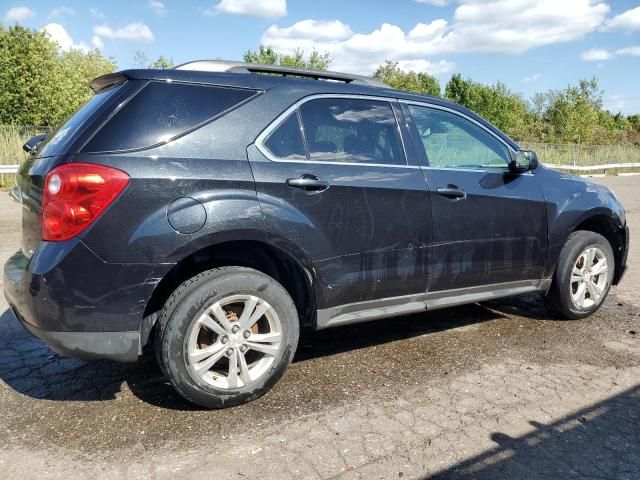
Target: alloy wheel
[234,342]
[589,278]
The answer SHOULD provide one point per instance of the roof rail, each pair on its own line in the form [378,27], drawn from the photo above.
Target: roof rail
[242,67]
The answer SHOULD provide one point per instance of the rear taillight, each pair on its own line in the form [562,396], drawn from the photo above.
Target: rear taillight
[74,195]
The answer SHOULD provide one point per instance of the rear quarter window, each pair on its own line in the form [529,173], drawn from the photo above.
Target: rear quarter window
[160,112]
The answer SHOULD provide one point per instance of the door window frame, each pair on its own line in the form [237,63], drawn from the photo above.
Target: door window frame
[420,151]
[393,104]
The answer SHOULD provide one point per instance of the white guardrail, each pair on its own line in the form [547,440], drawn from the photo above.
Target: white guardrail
[577,168]
[8,168]
[592,168]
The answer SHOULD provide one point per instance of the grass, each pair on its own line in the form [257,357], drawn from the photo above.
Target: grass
[12,138]
[584,155]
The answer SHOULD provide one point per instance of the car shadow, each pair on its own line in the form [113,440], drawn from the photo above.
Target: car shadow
[28,366]
[528,305]
[600,441]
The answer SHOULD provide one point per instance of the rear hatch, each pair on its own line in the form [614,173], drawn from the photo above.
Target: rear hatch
[54,150]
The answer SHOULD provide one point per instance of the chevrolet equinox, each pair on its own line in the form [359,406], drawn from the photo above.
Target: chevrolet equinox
[213,210]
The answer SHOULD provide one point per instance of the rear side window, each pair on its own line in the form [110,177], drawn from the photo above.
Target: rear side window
[352,130]
[162,111]
[286,141]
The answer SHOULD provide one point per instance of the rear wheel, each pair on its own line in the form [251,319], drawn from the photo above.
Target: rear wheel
[583,276]
[226,336]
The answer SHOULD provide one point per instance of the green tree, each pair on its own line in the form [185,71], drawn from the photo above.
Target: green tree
[162,63]
[497,103]
[574,114]
[269,56]
[28,68]
[76,71]
[411,81]
[141,60]
[39,85]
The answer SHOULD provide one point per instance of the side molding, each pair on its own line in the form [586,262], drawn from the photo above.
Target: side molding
[406,304]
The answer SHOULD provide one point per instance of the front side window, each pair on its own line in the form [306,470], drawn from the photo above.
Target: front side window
[451,141]
[352,130]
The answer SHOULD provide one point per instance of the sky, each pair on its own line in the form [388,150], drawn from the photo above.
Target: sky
[530,45]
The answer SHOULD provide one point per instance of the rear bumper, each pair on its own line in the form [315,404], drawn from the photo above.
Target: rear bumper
[119,346]
[79,305]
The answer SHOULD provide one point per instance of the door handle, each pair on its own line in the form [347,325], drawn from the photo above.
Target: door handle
[308,183]
[452,191]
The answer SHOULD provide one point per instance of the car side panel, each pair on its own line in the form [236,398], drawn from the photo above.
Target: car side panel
[496,234]
[570,200]
[366,237]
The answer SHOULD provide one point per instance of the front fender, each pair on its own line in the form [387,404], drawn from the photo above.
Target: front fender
[570,202]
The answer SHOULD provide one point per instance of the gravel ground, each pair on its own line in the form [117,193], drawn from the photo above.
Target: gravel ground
[498,390]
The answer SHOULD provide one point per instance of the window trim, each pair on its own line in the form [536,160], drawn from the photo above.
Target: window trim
[510,150]
[266,133]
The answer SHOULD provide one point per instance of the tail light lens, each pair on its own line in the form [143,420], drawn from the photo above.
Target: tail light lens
[74,195]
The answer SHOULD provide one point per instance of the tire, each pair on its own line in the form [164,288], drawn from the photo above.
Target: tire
[564,296]
[193,332]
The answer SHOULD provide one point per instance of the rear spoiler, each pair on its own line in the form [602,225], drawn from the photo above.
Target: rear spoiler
[108,80]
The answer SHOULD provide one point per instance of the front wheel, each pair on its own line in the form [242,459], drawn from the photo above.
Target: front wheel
[227,336]
[583,276]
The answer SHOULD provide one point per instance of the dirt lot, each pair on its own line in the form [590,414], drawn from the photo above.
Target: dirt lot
[498,390]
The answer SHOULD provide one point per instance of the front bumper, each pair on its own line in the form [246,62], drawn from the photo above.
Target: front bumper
[623,256]
[79,305]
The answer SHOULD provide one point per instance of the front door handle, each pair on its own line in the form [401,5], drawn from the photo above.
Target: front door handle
[452,191]
[308,183]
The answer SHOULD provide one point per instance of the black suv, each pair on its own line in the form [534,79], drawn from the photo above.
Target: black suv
[215,209]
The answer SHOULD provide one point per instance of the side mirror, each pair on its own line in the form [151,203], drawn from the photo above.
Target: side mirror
[32,143]
[524,161]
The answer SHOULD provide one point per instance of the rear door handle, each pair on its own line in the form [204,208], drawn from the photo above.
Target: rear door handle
[452,191]
[308,183]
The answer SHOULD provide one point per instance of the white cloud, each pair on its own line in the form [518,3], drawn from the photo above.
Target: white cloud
[627,21]
[97,42]
[313,30]
[157,6]
[435,3]
[134,32]
[254,8]
[516,26]
[496,26]
[58,34]
[633,50]
[18,14]
[532,78]
[62,11]
[599,54]
[425,66]
[96,13]
[596,55]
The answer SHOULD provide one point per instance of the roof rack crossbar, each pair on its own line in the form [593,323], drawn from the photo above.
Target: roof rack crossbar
[242,67]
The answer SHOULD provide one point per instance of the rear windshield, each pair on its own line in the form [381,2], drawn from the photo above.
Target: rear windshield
[161,111]
[59,139]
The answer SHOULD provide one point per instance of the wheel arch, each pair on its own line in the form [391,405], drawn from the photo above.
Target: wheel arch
[289,268]
[598,220]
[607,225]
